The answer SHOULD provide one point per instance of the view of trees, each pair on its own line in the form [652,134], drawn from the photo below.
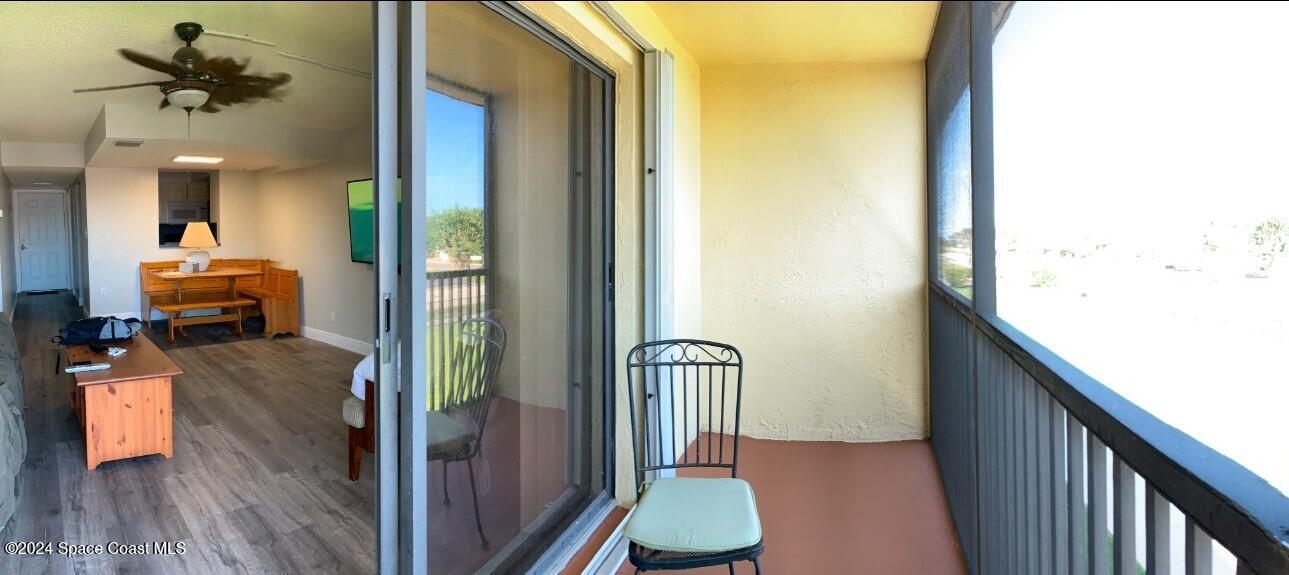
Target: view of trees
[456,231]
[1268,241]
[955,261]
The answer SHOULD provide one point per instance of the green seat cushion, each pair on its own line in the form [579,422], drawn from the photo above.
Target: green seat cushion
[693,515]
[446,432]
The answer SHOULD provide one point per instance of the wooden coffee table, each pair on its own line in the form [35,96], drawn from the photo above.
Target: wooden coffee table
[124,410]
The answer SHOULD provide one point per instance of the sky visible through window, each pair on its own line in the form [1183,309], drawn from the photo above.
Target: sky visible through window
[454,153]
[1142,210]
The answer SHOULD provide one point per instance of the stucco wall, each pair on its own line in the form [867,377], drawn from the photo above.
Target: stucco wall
[813,240]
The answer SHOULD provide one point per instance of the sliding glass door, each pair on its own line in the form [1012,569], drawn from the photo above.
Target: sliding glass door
[499,284]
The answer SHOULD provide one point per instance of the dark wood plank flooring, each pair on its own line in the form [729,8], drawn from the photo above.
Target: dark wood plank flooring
[257,483]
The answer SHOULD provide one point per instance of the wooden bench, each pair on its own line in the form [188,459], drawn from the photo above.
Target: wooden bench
[174,298]
[278,294]
[274,291]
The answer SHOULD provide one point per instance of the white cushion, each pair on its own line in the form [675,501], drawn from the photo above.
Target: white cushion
[352,411]
[444,432]
[694,515]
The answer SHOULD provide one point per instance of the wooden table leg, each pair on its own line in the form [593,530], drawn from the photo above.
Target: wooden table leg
[91,430]
[167,422]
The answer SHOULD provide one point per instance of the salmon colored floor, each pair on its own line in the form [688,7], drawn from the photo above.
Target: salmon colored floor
[847,508]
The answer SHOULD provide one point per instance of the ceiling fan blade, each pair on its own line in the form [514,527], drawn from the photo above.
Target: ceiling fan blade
[250,88]
[165,103]
[225,68]
[210,108]
[121,87]
[150,62]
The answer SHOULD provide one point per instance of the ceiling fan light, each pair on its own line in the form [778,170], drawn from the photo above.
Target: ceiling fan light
[185,159]
[188,97]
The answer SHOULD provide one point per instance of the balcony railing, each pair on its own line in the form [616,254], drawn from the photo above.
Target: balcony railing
[1041,465]
[451,298]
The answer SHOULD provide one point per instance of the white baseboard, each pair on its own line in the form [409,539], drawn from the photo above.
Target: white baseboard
[357,346]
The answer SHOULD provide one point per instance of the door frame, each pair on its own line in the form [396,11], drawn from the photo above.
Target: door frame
[17,232]
[399,81]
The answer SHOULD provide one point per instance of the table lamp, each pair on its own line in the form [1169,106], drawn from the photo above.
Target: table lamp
[197,235]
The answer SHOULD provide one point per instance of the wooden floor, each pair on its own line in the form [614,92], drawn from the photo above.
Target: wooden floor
[257,483]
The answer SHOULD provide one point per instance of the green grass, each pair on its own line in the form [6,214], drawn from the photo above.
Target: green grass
[440,340]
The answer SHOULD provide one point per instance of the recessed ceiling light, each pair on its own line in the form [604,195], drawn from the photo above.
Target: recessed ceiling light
[198,159]
[40,183]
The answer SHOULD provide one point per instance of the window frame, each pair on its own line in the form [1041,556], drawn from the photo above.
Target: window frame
[942,48]
[212,205]
[485,100]
[1229,502]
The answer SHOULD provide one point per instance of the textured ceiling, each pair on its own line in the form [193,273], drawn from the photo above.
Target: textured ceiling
[49,48]
[790,32]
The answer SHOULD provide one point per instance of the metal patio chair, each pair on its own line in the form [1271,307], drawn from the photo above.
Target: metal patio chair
[693,388]
[455,432]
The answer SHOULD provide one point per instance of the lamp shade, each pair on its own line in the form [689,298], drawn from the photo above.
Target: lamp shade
[197,235]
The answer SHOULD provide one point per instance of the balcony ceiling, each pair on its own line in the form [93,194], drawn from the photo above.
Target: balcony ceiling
[49,48]
[794,32]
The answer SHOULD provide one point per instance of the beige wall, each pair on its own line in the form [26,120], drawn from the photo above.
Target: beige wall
[304,226]
[8,273]
[121,231]
[814,245]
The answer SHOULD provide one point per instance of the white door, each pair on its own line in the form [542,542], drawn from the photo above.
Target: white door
[42,241]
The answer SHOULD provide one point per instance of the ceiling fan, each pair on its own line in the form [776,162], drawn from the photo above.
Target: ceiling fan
[201,83]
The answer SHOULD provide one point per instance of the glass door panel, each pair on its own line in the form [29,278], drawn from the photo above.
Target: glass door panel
[514,236]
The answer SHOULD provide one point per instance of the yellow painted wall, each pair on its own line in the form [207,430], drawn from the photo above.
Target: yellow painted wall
[814,211]
[800,195]
[687,165]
